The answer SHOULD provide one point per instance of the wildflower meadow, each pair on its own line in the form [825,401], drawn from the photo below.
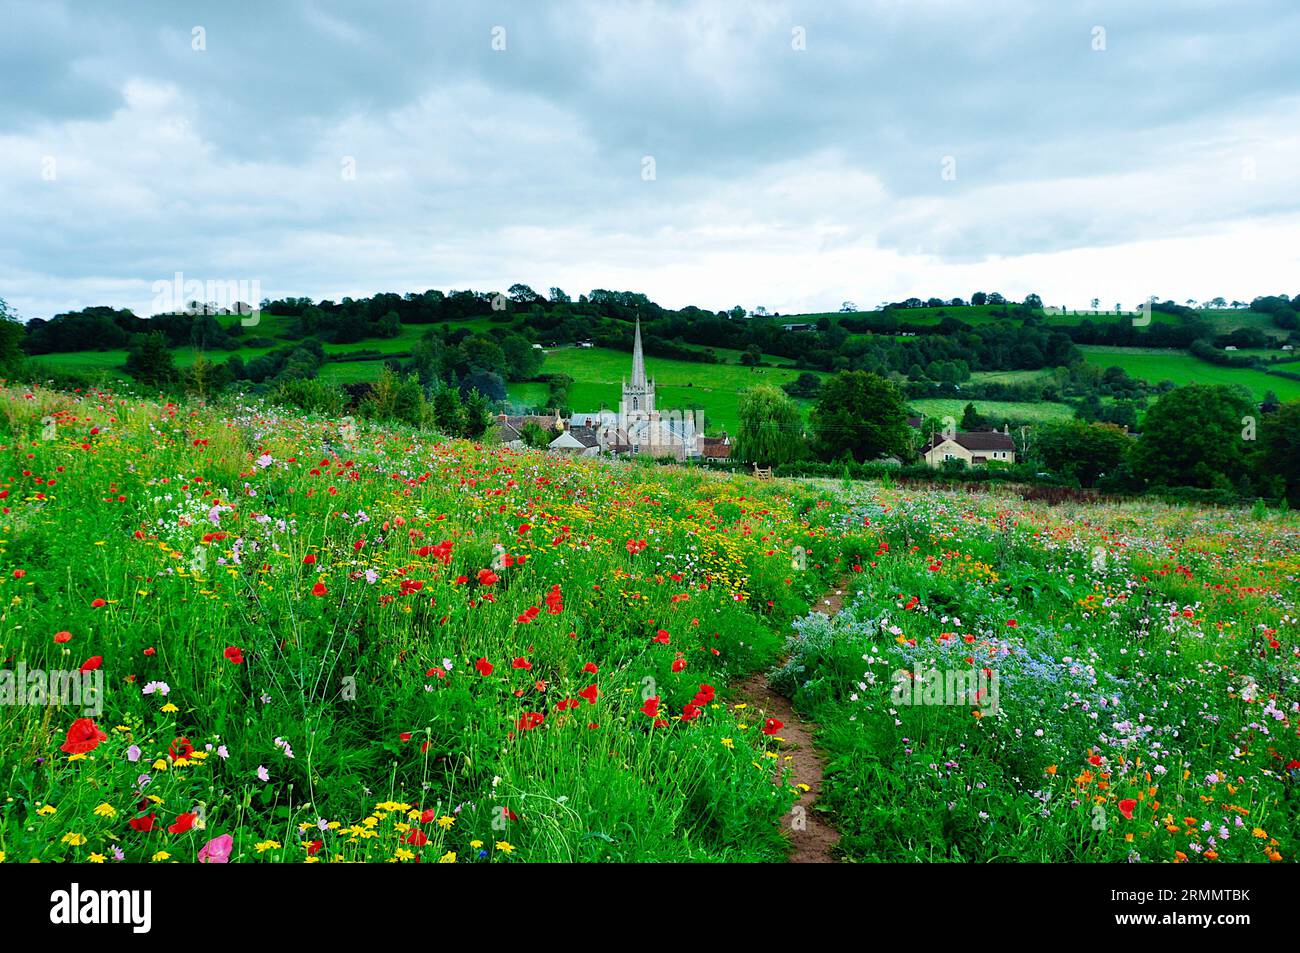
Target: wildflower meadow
[297,639]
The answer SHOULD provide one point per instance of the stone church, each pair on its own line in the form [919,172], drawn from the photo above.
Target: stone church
[638,427]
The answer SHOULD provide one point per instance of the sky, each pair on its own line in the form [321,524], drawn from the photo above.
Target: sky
[715,152]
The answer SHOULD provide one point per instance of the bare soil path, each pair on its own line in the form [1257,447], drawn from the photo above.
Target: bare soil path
[812,839]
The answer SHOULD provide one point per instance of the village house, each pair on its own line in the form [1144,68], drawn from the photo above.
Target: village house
[976,448]
[715,448]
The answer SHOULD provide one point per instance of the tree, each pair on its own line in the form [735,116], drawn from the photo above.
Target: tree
[770,427]
[11,338]
[477,415]
[523,294]
[150,361]
[971,419]
[861,414]
[752,356]
[806,385]
[522,360]
[979,298]
[1194,436]
[1279,448]
[848,306]
[534,436]
[1081,450]
[448,414]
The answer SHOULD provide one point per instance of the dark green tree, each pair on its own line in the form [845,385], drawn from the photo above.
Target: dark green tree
[1279,448]
[861,414]
[150,361]
[1196,436]
[1083,451]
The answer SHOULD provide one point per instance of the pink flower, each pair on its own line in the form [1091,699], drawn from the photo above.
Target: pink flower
[217,850]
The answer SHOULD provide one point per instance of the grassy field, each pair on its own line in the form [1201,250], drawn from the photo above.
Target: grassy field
[996,410]
[1154,366]
[319,643]
[598,374]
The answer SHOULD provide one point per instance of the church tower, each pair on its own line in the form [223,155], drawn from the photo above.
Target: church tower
[639,395]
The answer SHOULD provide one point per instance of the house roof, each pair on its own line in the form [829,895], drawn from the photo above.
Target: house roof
[716,448]
[976,441]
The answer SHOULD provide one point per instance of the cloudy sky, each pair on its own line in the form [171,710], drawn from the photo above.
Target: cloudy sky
[718,152]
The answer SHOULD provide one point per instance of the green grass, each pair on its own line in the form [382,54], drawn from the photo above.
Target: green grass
[598,375]
[995,410]
[1154,366]
[1064,611]
[342,641]
[476,660]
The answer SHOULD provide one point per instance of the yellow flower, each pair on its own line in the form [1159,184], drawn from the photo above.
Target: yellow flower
[404,854]
[159,857]
[476,844]
[169,708]
[448,858]
[106,810]
[445,822]
[264,845]
[160,765]
[1258,832]
[76,840]
[728,743]
[505,847]
[93,858]
[47,810]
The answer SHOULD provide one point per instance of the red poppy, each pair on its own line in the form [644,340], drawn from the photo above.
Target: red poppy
[651,707]
[143,824]
[82,737]
[92,663]
[309,560]
[183,823]
[484,667]
[590,693]
[98,603]
[180,748]
[590,668]
[771,726]
[678,664]
[62,637]
[530,720]
[235,654]
[319,589]
[1126,807]
[661,637]
[521,662]
[417,838]
[486,577]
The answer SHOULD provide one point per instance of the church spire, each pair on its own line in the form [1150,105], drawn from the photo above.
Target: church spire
[638,359]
